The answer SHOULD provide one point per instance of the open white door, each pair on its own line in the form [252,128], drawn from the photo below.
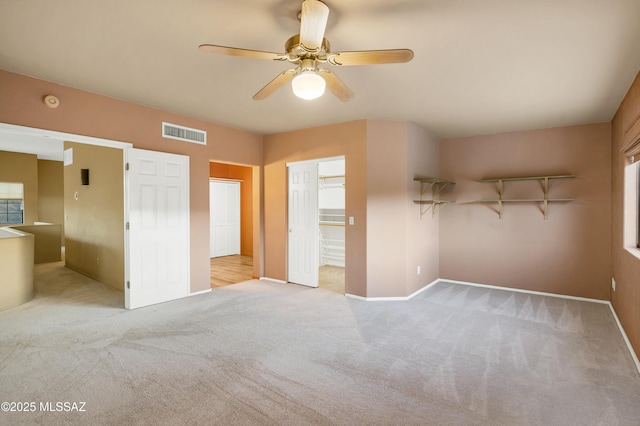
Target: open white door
[303,224]
[158,221]
[224,205]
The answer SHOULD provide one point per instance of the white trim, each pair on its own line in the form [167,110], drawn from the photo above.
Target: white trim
[272,280]
[354,296]
[224,180]
[316,160]
[69,137]
[394,299]
[626,339]
[200,292]
[517,290]
[417,292]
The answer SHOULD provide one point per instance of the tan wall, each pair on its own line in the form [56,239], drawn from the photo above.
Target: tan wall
[347,139]
[626,267]
[567,254]
[46,241]
[89,114]
[94,223]
[51,192]
[22,168]
[245,175]
[16,264]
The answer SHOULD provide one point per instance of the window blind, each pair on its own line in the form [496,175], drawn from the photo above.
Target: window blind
[631,142]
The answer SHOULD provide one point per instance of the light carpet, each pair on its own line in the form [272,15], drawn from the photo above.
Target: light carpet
[260,353]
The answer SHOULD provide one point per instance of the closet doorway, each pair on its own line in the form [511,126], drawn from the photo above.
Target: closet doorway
[231,201]
[316,223]
[331,221]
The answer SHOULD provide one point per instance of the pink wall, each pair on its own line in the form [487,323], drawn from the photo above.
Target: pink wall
[388,239]
[99,116]
[398,240]
[569,253]
[386,208]
[423,234]
[626,266]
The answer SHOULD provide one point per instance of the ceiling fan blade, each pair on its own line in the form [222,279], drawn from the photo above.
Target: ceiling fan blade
[247,53]
[335,85]
[313,21]
[281,79]
[370,57]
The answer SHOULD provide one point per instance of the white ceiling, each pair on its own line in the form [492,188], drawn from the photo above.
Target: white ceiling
[480,67]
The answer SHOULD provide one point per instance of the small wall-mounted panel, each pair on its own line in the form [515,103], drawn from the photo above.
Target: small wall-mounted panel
[84,176]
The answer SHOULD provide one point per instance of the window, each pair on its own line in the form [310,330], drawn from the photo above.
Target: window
[11,203]
[631,224]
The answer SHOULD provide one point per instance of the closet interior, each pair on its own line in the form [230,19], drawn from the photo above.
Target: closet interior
[331,211]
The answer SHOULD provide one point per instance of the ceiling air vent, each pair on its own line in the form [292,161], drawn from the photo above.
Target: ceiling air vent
[181,133]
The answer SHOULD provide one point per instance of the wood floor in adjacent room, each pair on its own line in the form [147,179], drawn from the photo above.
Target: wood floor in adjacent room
[227,270]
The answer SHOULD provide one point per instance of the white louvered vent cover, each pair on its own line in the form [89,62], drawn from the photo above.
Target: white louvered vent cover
[181,133]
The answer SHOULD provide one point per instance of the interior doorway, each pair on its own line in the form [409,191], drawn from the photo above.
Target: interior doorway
[331,217]
[316,223]
[231,207]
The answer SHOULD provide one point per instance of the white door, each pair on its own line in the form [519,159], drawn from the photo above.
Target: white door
[303,224]
[158,236]
[224,208]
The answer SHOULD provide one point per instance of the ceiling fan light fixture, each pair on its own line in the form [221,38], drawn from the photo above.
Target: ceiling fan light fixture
[308,85]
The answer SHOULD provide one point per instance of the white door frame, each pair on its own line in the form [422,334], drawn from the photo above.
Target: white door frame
[315,161]
[48,135]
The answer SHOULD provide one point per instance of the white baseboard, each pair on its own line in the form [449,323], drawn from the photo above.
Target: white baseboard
[518,290]
[626,339]
[200,292]
[392,299]
[273,280]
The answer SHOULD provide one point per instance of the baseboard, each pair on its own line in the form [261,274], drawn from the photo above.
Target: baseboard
[200,292]
[392,299]
[518,290]
[626,339]
[273,280]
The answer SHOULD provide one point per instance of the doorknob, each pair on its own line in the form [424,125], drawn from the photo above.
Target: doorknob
[290,230]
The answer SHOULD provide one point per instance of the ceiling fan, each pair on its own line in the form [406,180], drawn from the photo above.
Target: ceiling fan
[307,50]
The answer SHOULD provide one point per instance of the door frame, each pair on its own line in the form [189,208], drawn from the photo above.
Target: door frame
[315,161]
[48,135]
[212,181]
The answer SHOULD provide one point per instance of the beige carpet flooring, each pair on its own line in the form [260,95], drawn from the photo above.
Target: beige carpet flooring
[260,353]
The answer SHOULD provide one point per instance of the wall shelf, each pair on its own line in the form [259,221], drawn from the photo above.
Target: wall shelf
[434,203]
[545,186]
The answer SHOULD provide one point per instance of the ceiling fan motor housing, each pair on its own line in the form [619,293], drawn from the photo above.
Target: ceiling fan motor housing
[298,51]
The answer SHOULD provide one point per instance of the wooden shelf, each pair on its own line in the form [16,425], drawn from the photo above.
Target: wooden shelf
[545,200]
[434,203]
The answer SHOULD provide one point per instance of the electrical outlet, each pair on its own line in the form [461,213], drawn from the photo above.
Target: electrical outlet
[418,269]
[613,284]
